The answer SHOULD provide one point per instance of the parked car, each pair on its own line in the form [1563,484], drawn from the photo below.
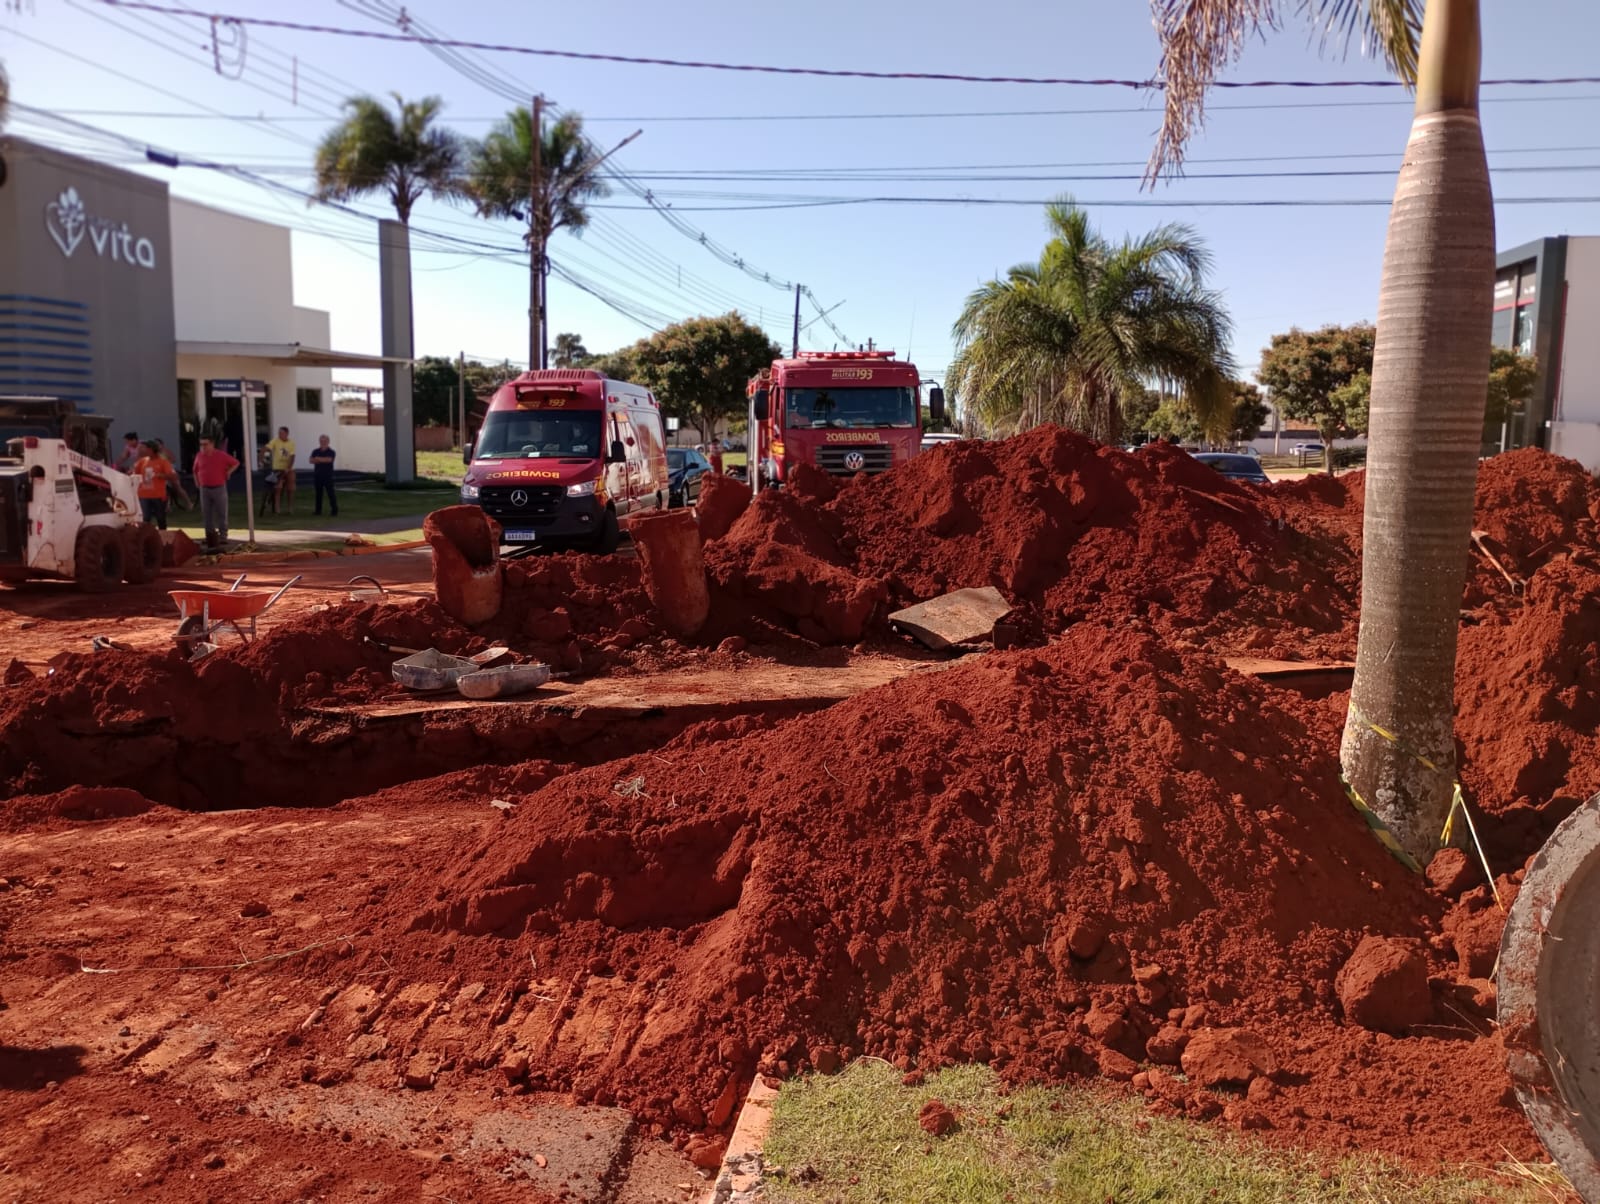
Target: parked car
[1307,449]
[1235,467]
[932,439]
[685,468]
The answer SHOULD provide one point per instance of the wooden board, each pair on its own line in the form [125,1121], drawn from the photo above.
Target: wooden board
[712,690]
[1256,667]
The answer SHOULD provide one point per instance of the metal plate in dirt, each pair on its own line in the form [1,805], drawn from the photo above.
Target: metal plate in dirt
[962,617]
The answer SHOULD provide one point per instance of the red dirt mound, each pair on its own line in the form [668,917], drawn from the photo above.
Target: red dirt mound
[1528,708]
[1056,522]
[1056,862]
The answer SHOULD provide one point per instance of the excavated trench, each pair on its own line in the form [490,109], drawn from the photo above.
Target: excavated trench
[195,762]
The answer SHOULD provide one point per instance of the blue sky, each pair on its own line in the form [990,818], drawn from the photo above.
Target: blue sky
[901,271]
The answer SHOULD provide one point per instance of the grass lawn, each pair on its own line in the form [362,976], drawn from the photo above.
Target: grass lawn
[440,466]
[358,501]
[854,1139]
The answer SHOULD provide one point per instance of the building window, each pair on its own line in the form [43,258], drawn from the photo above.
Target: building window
[308,401]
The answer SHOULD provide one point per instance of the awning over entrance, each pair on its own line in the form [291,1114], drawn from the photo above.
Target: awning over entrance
[295,355]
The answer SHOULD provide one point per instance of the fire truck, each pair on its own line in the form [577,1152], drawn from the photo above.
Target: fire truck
[844,411]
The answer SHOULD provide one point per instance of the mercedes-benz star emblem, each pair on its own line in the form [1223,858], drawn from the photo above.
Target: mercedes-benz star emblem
[519,498]
[854,461]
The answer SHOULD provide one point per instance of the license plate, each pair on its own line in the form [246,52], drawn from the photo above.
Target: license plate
[521,536]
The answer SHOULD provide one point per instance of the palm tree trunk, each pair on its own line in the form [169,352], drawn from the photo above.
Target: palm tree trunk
[1429,386]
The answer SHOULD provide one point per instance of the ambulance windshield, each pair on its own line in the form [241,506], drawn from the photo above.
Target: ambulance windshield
[539,434]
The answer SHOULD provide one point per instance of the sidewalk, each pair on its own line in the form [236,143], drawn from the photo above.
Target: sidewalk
[338,529]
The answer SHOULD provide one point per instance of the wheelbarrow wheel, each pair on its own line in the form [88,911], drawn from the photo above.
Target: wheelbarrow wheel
[190,632]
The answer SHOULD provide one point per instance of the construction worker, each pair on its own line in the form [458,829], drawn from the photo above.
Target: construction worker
[153,471]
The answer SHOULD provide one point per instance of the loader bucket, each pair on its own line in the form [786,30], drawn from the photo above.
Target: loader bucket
[1549,997]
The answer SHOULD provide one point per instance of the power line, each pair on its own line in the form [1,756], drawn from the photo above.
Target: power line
[1086,203]
[406,36]
[661,118]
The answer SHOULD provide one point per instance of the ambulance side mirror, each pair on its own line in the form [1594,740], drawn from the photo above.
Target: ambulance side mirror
[466,452]
[936,405]
[759,406]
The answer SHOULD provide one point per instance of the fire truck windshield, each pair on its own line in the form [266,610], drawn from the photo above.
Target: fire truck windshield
[520,434]
[851,406]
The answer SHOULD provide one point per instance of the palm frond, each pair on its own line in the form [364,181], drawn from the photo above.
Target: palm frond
[1392,28]
[1201,38]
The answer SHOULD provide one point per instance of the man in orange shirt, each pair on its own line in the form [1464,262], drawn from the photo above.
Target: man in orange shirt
[154,471]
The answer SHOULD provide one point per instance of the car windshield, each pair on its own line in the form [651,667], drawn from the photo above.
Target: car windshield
[851,406]
[535,434]
[1242,464]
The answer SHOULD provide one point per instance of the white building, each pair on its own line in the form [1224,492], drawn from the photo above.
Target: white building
[234,317]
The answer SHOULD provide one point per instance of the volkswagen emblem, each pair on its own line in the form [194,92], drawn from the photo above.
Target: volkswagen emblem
[519,498]
[854,461]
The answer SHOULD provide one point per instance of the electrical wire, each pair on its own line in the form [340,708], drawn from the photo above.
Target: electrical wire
[966,115]
[418,38]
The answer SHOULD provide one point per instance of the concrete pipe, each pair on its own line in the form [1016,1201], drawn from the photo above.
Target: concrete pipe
[1549,993]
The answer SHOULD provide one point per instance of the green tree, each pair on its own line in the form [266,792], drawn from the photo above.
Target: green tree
[621,364]
[698,369]
[1174,420]
[434,382]
[1250,412]
[1138,410]
[1512,377]
[1428,376]
[1079,336]
[1321,377]
[501,182]
[403,154]
[5,96]
[569,351]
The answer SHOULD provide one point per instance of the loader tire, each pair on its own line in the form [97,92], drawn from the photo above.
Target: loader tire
[141,553]
[98,560]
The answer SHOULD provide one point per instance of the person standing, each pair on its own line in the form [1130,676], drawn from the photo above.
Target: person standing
[322,458]
[715,456]
[132,449]
[212,468]
[175,481]
[153,471]
[281,459]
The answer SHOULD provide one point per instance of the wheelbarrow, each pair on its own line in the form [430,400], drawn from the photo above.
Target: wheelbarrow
[204,612]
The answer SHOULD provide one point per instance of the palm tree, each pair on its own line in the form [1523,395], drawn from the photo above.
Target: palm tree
[502,176]
[569,350]
[1429,379]
[401,153]
[1077,336]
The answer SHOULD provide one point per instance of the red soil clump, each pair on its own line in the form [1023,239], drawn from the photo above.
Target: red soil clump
[1058,862]
[1055,522]
[1528,708]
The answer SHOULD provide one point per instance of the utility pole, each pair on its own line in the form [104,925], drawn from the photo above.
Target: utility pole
[796,351]
[461,393]
[538,234]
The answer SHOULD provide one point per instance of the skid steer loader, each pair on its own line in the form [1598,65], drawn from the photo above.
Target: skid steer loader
[66,516]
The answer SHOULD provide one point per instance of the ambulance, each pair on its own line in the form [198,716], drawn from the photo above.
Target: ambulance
[564,453]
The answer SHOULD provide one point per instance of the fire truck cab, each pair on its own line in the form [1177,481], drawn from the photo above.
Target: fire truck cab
[843,411]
